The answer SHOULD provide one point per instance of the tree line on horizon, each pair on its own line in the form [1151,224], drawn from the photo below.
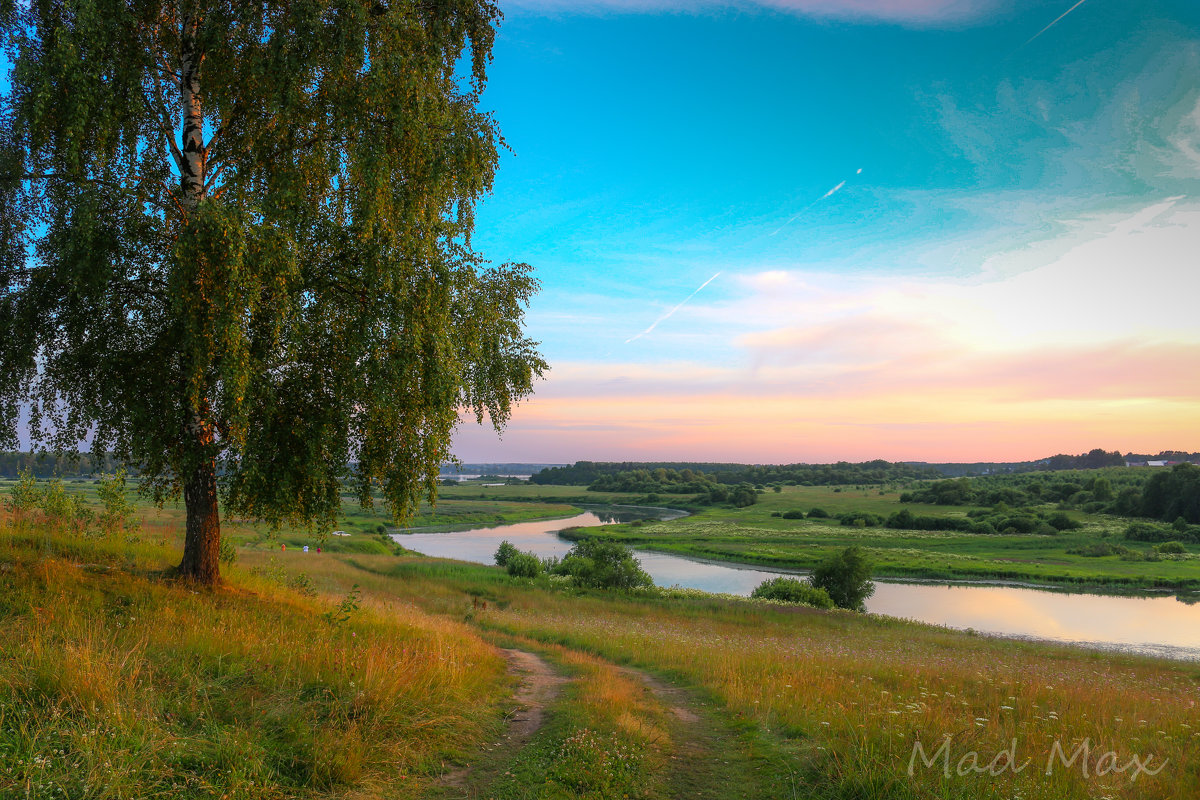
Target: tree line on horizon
[878,471]
[1093,459]
[588,473]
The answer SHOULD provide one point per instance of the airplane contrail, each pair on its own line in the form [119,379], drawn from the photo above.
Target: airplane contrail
[654,324]
[1052,24]
[804,210]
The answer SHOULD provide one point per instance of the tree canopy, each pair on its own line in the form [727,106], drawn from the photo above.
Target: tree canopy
[235,247]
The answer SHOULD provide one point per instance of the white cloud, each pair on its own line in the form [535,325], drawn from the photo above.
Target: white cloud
[1111,277]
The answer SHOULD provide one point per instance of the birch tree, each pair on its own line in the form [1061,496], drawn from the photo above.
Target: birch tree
[235,248]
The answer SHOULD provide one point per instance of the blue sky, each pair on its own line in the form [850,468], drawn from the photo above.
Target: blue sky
[811,230]
[658,144]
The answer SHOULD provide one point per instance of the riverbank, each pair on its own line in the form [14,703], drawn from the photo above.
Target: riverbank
[1090,555]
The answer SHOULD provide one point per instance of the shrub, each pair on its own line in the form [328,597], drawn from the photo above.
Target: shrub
[1019,524]
[1171,548]
[523,565]
[860,519]
[119,514]
[846,577]
[743,495]
[303,583]
[818,513]
[24,494]
[227,551]
[603,564]
[1099,550]
[1060,521]
[793,515]
[1145,532]
[504,552]
[793,590]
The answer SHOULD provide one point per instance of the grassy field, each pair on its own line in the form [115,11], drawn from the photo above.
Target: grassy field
[802,703]
[368,529]
[753,535]
[364,674]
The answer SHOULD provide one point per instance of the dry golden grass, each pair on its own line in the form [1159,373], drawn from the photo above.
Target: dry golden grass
[115,682]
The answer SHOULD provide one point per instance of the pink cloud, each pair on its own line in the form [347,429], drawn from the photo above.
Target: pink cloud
[996,406]
[921,12]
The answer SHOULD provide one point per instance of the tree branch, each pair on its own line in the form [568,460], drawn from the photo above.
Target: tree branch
[159,111]
[55,176]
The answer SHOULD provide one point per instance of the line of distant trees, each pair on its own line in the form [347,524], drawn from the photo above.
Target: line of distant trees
[1163,494]
[1093,459]
[705,490]
[588,473]
[48,465]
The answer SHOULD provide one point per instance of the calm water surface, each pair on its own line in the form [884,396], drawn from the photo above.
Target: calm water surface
[1154,625]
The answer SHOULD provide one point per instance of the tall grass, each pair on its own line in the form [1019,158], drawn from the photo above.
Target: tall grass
[853,695]
[847,697]
[116,683]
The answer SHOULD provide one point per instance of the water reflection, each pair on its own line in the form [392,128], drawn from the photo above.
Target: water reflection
[1132,622]
[1156,625]
[538,537]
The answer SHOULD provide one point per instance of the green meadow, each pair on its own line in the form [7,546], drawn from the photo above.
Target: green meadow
[373,674]
[758,534]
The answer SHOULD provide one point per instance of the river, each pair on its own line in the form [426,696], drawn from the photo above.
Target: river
[1159,625]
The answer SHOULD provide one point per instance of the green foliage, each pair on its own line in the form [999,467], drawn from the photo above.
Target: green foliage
[793,514]
[346,608]
[818,513]
[584,473]
[53,501]
[523,565]
[1173,494]
[227,552]
[118,512]
[793,590]
[1060,521]
[1099,550]
[846,577]
[24,494]
[1148,532]
[49,465]
[299,308]
[860,519]
[660,480]
[1171,548]
[504,552]
[603,564]
[303,583]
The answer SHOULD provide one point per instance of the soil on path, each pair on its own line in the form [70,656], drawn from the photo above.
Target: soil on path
[539,685]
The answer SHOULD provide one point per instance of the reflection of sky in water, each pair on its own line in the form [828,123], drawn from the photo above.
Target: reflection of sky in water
[479,544]
[1051,615]
[1011,611]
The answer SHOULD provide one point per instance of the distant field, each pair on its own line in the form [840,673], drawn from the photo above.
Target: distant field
[752,535]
